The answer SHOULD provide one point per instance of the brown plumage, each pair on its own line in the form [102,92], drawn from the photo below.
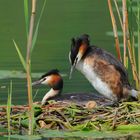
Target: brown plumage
[107,74]
[54,80]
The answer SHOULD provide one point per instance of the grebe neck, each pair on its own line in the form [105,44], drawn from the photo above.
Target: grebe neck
[51,93]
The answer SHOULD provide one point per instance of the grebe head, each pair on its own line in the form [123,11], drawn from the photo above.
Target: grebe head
[52,79]
[78,49]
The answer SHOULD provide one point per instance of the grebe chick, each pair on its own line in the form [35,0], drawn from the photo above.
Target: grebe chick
[105,73]
[54,80]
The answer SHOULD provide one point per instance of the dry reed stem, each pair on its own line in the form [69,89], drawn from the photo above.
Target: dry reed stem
[118,12]
[29,45]
[14,107]
[126,41]
[133,64]
[124,10]
[138,15]
[131,52]
[114,31]
[99,118]
[115,118]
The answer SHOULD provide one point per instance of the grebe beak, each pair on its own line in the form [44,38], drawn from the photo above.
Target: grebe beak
[72,68]
[77,59]
[71,71]
[36,83]
[79,56]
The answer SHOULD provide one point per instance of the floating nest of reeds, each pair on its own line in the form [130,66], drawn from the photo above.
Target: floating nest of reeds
[63,115]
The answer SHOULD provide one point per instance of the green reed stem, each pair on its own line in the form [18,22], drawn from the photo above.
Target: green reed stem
[26,16]
[31,39]
[37,27]
[9,107]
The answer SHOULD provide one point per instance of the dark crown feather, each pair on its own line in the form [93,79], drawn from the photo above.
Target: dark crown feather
[76,43]
[53,71]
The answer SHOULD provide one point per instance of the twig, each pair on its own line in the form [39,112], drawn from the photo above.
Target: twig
[115,118]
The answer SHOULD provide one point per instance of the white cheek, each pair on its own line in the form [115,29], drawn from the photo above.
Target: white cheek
[79,56]
[46,82]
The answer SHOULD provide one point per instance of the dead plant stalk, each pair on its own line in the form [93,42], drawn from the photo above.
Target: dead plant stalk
[139,40]
[118,12]
[28,54]
[115,31]
[126,38]
[124,10]
[126,41]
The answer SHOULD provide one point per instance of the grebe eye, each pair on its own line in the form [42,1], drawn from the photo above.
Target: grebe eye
[44,79]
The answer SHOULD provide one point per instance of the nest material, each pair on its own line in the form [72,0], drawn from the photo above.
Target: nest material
[72,116]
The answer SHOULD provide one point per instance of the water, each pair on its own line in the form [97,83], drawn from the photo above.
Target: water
[61,21]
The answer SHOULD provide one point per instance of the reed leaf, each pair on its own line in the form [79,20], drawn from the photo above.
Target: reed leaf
[26,16]
[37,27]
[9,106]
[20,55]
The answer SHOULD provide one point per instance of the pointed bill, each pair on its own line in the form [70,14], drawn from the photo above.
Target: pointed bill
[72,68]
[36,83]
[71,71]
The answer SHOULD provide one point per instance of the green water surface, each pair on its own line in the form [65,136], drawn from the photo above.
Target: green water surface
[62,20]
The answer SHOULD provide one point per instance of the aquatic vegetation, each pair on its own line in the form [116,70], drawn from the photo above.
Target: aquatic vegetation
[31,40]
[72,116]
[8,110]
[129,23]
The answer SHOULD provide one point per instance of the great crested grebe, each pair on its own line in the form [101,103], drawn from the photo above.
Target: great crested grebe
[105,73]
[54,80]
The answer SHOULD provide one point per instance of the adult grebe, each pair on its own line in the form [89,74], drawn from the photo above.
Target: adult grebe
[54,80]
[105,73]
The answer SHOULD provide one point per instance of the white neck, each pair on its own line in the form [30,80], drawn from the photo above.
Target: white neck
[49,94]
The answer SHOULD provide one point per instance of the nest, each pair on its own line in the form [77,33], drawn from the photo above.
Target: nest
[71,116]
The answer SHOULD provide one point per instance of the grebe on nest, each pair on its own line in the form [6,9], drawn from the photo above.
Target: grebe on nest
[105,73]
[54,80]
